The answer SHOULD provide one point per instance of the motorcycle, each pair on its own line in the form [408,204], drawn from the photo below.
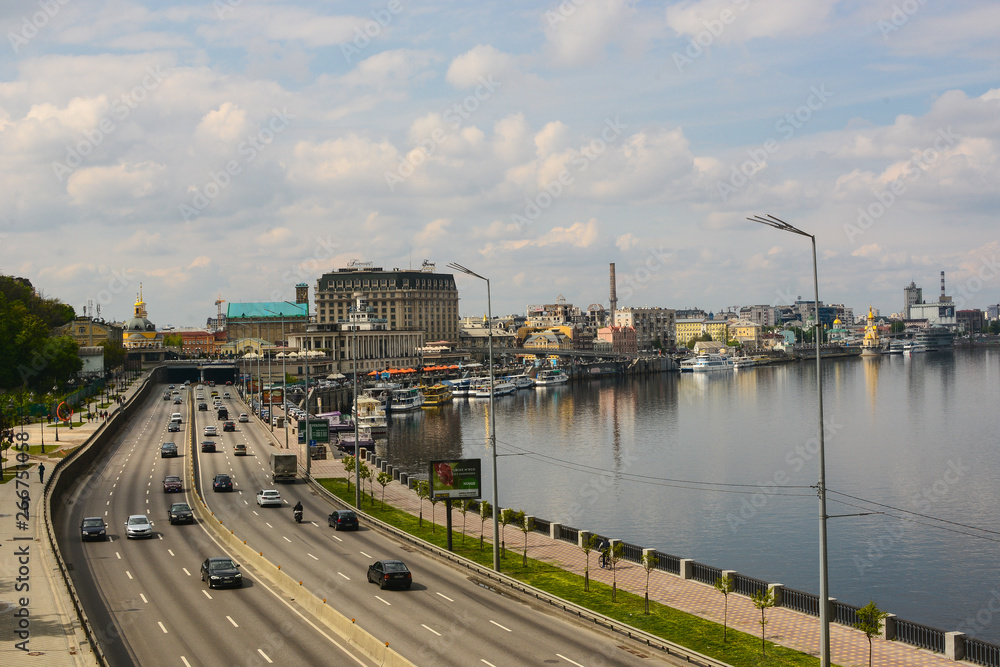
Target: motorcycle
[298,515]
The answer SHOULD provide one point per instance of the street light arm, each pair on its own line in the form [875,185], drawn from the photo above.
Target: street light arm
[777,223]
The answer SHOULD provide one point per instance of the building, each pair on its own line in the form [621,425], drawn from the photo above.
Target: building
[971,321]
[196,342]
[623,340]
[474,335]
[763,315]
[940,312]
[420,300]
[141,340]
[270,320]
[88,332]
[654,327]
[746,332]
[911,295]
[555,314]
[548,340]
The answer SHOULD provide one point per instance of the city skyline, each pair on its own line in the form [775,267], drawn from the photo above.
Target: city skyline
[236,149]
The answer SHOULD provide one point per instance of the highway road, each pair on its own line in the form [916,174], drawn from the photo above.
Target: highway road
[154,597]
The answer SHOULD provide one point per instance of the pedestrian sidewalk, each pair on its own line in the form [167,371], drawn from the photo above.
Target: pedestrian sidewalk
[37,617]
[848,647]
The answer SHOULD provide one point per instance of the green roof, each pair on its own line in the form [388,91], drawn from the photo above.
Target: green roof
[266,310]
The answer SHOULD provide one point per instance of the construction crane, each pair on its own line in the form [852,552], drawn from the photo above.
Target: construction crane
[218,317]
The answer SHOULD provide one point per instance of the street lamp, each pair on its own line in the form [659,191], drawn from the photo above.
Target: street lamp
[305,438]
[352,313]
[55,388]
[284,377]
[492,422]
[824,579]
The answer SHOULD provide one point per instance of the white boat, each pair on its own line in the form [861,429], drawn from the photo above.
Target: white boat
[406,400]
[501,387]
[708,363]
[911,348]
[551,377]
[460,386]
[370,415]
[896,347]
[521,381]
[743,362]
[687,365]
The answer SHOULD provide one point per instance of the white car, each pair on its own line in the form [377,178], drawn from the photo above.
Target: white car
[138,525]
[244,417]
[211,430]
[268,497]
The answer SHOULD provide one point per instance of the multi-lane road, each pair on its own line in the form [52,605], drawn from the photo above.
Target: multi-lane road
[148,603]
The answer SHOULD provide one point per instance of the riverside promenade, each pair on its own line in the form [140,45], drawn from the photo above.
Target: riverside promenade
[848,647]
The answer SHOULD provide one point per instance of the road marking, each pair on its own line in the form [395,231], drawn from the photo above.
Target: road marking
[446,597]
[286,539]
[487,663]
[246,503]
[431,629]
[264,655]
[500,626]
[364,554]
[311,556]
[119,555]
[255,512]
[145,601]
[336,538]
[206,594]
[186,571]
[386,602]
[159,623]
[232,621]
[109,502]
[344,576]
[268,525]
[184,660]
[111,494]
[572,662]
[171,552]
[128,573]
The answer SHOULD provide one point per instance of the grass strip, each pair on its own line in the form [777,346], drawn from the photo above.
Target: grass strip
[694,632]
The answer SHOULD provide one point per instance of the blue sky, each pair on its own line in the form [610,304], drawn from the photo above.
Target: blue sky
[238,147]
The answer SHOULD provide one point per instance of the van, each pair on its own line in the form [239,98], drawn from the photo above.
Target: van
[176,417]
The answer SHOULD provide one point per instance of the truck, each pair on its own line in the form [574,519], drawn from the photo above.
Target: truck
[284,467]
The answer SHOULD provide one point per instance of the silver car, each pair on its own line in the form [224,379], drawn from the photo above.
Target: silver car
[138,525]
[269,497]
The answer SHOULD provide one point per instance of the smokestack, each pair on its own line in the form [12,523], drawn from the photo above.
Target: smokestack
[942,286]
[613,300]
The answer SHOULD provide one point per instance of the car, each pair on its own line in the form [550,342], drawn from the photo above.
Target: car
[93,528]
[211,430]
[203,407]
[223,413]
[222,483]
[180,513]
[269,497]
[229,382]
[177,401]
[345,519]
[228,426]
[172,387]
[176,417]
[166,395]
[138,525]
[208,445]
[225,394]
[211,383]
[168,450]
[173,427]
[244,418]
[172,483]
[240,450]
[390,574]
[200,396]
[221,571]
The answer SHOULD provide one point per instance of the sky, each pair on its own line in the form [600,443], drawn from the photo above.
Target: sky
[234,148]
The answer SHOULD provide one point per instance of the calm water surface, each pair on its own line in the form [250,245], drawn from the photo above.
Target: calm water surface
[658,461]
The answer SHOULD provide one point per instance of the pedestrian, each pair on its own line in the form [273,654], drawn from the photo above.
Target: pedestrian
[41,473]
[603,548]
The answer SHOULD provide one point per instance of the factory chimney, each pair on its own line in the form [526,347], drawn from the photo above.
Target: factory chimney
[943,297]
[613,300]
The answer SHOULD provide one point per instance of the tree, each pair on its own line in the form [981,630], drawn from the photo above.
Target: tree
[763,599]
[383,479]
[649,563]
[349,463]
[433,501]
[870,619]
[173,340]
[615,554]
[423,490]
[527,525]
[588,545]
[725,586]
[485,514]
[897,326]
[364,474]
[463,508]
[506,516]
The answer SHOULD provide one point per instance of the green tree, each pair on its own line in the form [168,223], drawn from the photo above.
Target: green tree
[649,563]
[433,500]
[527,525]
[870,622]
[763,599]
[423,490]
[485,514]
[463,508]
[897,326]
[507,515]
[348,463]
[114,354]
[725,585]
[383,479]
[691,342]
[173,340]
[615,554]
[364,474]
[588,545]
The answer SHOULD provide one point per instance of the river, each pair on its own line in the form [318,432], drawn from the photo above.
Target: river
[718,467]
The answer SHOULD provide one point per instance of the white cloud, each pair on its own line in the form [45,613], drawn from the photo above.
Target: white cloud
[726,21]
[483,62]
[579,33]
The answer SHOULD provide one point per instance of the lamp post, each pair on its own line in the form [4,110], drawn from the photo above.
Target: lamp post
[824,579]
[357,444]
[284,377]
[55,388]
[492,422]
[305,438]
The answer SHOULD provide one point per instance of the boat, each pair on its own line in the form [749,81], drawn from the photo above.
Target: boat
[406,400]
[370,415]
[896,347]
[521,381]
[687,365]
[708,363]
[501,387]
[337,421]
[743,362]
[935,337]
[459,386]
[547,378]
[345,441]
[911,348]
[436,395]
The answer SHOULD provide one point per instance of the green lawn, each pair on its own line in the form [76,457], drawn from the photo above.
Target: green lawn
[698,634]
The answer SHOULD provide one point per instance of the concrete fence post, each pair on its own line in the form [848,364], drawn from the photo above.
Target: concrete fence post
[889,628]
[776,590]
[554,530]
[645,554]
[687,567]
[396,475]
[582,538]
[954,645]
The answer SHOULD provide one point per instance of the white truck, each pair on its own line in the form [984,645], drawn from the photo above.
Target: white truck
[284,467]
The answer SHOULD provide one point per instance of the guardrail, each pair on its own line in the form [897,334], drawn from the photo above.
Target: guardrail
[982,653]
[919,635]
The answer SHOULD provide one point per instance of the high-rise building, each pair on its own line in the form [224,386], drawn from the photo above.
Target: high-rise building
[651,325]
[911,295]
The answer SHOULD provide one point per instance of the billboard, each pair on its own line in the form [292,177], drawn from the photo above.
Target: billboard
[319,430]
[460,478]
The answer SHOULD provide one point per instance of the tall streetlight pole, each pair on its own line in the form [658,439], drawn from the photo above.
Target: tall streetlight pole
[824,579]
[284,376]
[492,422]
[305,438]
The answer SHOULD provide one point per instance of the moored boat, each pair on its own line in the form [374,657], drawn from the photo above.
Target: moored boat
[406,400]
[436,395]
[743,362]
[371,416]
[708,363]
[549,377]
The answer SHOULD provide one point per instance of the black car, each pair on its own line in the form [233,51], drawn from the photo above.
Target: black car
[223,413]
[168,450]
[345,519]
[228,426]
[222,483]
[173,427]
[203,407]
[221,571]
[180,513]
[390,574]
[93,528]
[207,446]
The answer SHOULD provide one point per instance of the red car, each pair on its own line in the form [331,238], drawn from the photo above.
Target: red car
[172,483]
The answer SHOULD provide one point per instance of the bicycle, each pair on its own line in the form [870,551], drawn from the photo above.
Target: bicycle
[603,560]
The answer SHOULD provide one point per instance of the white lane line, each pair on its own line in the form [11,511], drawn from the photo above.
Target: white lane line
[160,623]
[344,576]
[286,539]
[364,554]
[572,662]
[109,502]
[144,600]
[111,494]
[336,538]
[171,552]
[128,573]
[427,627]
[377,597]
[246,503]
[264,655]
[184,660]
[119,555]
[487,663]
[255,512]
[206,594]
[268,525]
[230,618]
[500,626]
[311,556]
[186,571]
[312,522]
[446,597]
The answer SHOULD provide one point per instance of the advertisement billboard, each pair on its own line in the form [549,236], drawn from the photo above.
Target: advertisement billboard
[458,478]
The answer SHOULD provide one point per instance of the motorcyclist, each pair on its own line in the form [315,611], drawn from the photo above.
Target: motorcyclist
[297,508]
